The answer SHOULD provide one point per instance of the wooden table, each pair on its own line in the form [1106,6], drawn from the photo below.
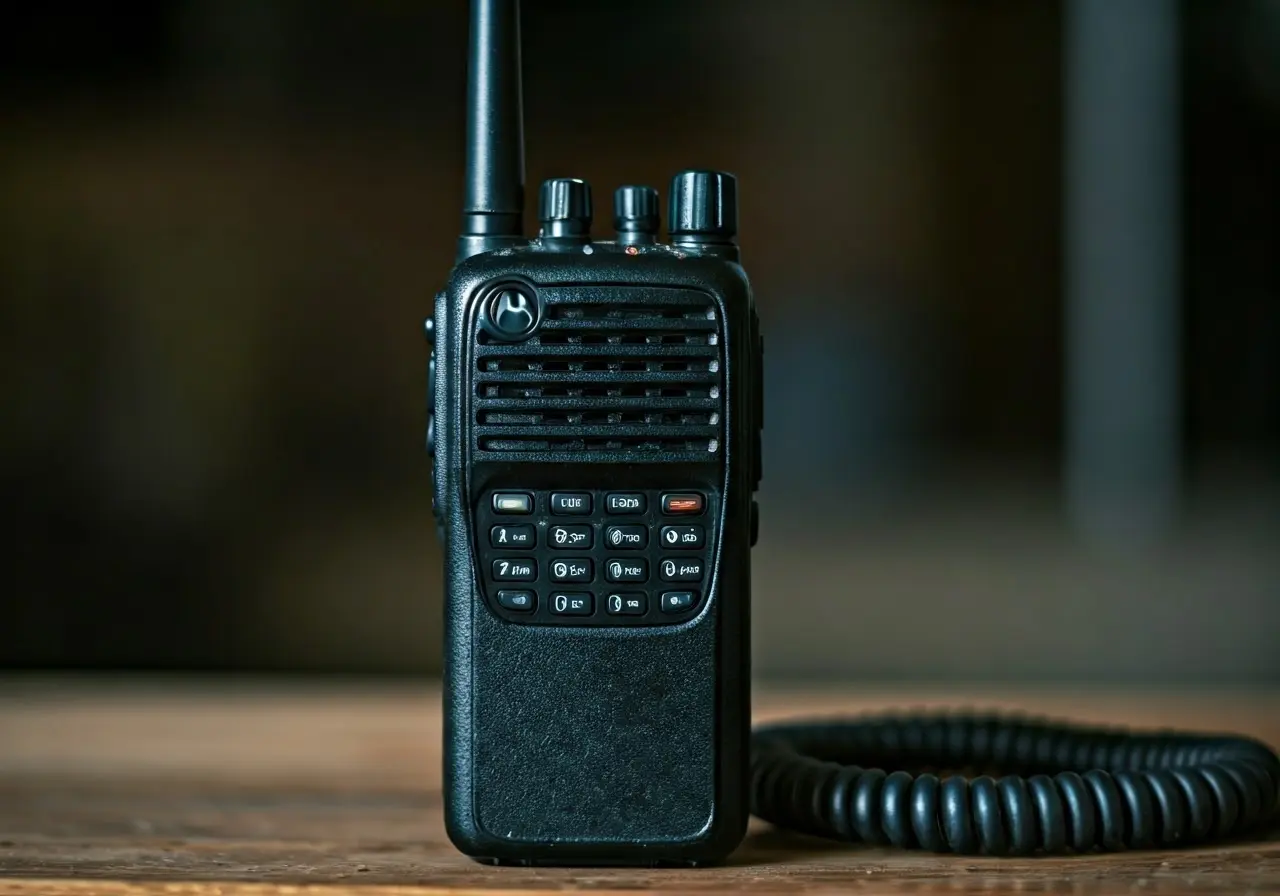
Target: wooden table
[119,788]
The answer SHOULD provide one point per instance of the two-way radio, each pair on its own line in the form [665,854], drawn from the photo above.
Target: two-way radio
[595,418]
[596,414]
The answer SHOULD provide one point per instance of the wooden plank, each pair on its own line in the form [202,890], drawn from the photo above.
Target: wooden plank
[203,789]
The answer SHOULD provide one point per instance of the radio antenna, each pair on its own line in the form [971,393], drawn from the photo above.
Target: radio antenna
[493,205]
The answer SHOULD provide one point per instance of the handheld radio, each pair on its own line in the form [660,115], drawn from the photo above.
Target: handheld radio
[595,423]
[595,418]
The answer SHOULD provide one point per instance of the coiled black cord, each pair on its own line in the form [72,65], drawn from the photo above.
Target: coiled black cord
[908,781]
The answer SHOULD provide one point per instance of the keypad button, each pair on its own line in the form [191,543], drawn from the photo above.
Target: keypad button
[571,570]
[569,538]
[682,504]
[680,569]
[624,570]
[626,538]
[677,601]
[512,536]
[570,503]
[512,502]
[514,570]
[520,601]
[682,537]
[625,502]
[626,603]
[568,603]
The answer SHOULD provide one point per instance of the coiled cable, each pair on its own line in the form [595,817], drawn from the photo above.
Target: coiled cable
[1008,785]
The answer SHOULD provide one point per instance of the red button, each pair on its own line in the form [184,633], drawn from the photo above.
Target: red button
[682,503]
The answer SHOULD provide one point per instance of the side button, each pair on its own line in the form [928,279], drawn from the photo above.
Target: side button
[520,601]
[431,434]
[755,522]
[431,382]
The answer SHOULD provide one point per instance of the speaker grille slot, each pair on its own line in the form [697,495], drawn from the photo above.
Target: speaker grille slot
[617,381]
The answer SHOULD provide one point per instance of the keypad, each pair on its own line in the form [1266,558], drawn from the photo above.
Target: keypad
[597,557]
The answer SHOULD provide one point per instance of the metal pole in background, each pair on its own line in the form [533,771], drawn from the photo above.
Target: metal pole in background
[1122,248]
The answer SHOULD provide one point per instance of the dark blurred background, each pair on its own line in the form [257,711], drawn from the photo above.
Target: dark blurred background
[1017,265]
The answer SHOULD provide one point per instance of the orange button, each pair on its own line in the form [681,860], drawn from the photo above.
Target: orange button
[682,503]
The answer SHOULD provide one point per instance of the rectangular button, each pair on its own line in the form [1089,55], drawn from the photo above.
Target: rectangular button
[626,603]
[625,502]
[680,569]
[571,570]
[682,537]
[621,570]
[520,601]
[626,538]
[569,538]
[512,502]
[570,503]
[512,536]
[682,504]
[567,603]
[514,570]
[677,601]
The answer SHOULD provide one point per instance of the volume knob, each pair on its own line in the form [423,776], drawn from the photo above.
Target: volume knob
[564,208]
[704,208]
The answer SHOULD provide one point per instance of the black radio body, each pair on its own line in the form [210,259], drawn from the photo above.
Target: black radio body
[596,411]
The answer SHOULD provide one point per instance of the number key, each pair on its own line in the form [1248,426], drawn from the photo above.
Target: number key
[514,570]
[512,537]
[682,537]
[571,570]
[626,538]
[570,538]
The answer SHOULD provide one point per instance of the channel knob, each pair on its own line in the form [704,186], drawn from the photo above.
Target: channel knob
[564,208]
[704,208]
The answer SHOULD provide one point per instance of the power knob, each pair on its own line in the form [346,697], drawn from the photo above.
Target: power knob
[564,209]
[704,212]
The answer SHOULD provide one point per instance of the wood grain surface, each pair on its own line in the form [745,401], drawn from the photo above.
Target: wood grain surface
[136,787]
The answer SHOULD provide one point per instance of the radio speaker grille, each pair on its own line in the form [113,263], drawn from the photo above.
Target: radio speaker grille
[616,375]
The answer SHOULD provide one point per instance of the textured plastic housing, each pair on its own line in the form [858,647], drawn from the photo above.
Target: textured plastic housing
[611,744]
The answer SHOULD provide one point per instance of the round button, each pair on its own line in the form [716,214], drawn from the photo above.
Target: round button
[511,312]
